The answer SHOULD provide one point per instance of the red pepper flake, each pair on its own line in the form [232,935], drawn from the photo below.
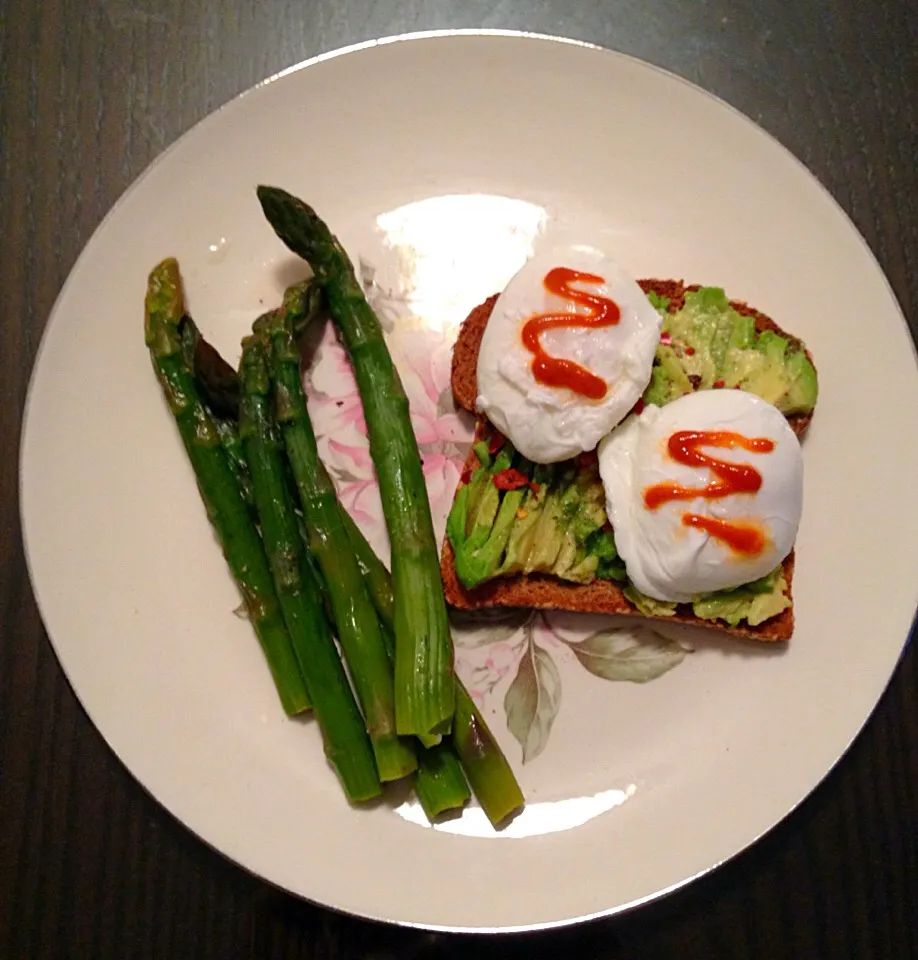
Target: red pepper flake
[690,351]
[666,340]
[466,475]
[534,487]
[496,441]
[638,408]
[718,384]
[587,458]
[510,479]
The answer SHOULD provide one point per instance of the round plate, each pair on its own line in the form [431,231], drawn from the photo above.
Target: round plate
[441,161]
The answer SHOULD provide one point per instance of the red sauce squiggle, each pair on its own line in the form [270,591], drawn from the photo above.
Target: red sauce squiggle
[602,312]
[741,538]
[685,447]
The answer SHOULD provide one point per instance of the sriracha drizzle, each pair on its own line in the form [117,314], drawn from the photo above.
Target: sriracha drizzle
[602,312]
[685,447]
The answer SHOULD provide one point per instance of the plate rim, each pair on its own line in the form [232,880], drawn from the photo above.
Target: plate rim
[136,183]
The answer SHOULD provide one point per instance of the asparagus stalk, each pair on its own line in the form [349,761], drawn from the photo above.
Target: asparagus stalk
[375,576]
[483,761]
[226,507]
[440,782]
[217,380]
[424,688]
[232,444]
[354,615]
[345,739]
[485,765]
[301,305]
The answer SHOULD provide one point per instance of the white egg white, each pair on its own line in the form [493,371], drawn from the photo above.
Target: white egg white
[548,424]
[664,558]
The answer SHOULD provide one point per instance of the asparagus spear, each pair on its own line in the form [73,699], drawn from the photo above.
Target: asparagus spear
[440,782]
[345,739]
[302,303]
[358,627]
[375,576]
[424,689]
[217,380]
[484,763]
[219,488]
[232,444]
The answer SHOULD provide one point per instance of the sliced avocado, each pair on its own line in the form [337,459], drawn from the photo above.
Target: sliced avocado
[668,379]
[458,517]
[742,336]
[573,562]
[592,513]
[548,533]
[520,542]
[602,546]
[703,328]
[483,454]
[720,341]
[557,516]
[766,378]
[772,345]
[658,390]
[714,345]
[479,557]
[570,554]
[742,365]
[660,304]
[803,388]
[647,605]
[484,498]
[585,571]
[753,602]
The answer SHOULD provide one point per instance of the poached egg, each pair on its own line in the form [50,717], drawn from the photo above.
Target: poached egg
[703,494]
[548,422]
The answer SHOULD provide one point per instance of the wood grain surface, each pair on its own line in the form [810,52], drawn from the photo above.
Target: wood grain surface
[90,93]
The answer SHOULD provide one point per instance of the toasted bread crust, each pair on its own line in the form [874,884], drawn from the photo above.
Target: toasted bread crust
[602,596]
[464,371]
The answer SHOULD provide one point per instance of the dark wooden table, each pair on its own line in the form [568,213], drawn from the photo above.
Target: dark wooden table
[90,93]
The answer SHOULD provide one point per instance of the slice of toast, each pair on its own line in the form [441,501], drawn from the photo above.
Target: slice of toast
[465,353]
[601,596]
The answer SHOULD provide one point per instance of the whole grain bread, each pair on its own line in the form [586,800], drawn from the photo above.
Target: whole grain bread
[601,596]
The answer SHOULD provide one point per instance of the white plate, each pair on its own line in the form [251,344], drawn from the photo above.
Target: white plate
[440,161]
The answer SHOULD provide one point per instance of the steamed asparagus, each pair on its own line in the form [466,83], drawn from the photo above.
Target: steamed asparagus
[354,615]
[424,688]
[345,739]
[226,507]
[488,772]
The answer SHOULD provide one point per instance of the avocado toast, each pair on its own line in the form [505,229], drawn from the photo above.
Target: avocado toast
[531,535]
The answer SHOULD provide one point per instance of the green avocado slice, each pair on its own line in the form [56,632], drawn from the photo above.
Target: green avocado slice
[710,344]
